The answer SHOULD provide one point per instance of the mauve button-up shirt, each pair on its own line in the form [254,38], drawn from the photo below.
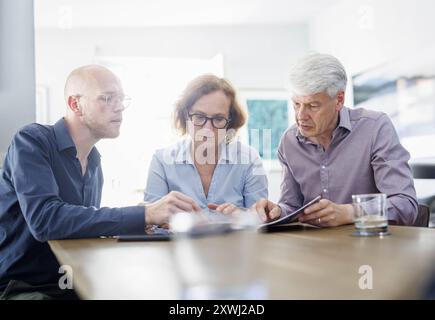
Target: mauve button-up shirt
[365,156]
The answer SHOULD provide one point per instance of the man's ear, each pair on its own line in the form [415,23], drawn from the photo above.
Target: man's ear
[340,100]
[74,106]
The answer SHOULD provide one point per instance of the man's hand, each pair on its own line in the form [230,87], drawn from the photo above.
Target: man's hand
[226,208]
[266,210]
[326,213]
[158,212]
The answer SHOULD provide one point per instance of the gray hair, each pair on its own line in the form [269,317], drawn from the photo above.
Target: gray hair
[317,73]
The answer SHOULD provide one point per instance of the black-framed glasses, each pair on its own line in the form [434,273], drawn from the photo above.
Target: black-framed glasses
[218,122]
[112,100]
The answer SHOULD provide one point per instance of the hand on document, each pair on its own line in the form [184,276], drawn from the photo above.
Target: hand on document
[326,213]
[159,212]
[223,208]
[266,210]
[291,217]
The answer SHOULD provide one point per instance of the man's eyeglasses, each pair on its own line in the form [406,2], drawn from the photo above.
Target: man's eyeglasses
[200,120]
[112,100]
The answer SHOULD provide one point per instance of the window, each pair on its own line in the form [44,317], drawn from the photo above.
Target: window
[405,90]
[269,117]
[154,85]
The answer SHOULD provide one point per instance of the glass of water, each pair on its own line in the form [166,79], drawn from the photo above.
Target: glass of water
[215,257]
[371,214]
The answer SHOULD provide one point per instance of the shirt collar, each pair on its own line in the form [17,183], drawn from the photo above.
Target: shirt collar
[184,154]
[343,122]
[345,119]
[64,140]
[228,152]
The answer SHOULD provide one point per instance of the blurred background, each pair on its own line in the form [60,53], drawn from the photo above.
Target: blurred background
[157,46]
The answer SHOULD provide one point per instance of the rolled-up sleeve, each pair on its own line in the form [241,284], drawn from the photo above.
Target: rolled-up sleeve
[46,214]
[392,173]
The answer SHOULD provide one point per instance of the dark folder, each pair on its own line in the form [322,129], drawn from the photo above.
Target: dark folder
[145,237]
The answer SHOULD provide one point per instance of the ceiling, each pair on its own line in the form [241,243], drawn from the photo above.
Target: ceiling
[144,13]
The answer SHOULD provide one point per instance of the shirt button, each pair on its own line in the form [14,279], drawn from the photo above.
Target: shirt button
[323,167]
[325,190]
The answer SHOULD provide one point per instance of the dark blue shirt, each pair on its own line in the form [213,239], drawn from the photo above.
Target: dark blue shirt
[44,196]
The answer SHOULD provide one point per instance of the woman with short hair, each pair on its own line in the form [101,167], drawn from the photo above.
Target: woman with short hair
[209,165]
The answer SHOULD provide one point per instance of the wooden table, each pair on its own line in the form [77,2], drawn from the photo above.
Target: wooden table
[307,264]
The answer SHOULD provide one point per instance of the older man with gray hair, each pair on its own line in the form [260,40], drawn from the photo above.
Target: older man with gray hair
[336,151]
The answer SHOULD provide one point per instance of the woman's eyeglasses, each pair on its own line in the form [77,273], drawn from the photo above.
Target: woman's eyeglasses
[218,122]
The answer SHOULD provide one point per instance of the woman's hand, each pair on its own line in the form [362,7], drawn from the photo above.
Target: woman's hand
[226,208]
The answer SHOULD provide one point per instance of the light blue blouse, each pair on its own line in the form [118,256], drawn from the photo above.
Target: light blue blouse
[239,177]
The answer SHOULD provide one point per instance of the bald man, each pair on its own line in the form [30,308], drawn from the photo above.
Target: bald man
[51,184]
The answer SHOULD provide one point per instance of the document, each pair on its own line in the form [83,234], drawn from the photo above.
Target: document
[213,222]
[292,217]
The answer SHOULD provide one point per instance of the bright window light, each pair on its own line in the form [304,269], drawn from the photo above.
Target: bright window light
[154,85]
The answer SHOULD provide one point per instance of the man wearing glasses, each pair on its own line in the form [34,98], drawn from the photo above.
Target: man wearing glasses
[51,185]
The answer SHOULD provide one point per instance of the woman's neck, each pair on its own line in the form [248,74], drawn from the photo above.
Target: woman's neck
[204,154]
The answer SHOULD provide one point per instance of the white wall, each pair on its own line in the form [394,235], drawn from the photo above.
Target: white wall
[17,69]
[366,33]
[255,57]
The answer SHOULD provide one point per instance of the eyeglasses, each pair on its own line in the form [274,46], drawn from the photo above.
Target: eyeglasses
[200,120]
[112,100]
